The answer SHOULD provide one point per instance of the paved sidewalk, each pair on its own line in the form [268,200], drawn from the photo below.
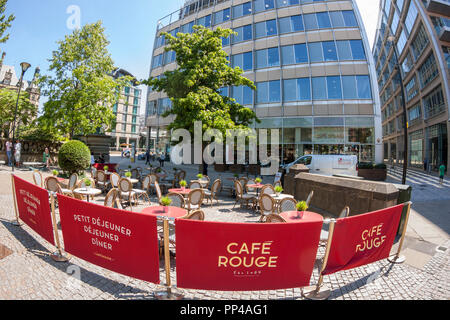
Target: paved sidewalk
[29,273]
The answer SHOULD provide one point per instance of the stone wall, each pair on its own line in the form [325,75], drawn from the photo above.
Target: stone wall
[32,151]
[332,194]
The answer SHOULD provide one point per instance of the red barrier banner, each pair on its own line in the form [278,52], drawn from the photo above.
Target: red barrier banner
[245,257]
[117,240]
[363,239]
[34,208]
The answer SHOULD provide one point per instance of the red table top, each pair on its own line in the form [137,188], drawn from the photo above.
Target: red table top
[258,186]
[291,216]
[180,191]
[100,166]
[171,212]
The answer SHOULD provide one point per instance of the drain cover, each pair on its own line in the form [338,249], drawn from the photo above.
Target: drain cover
[441,249]
[4,251]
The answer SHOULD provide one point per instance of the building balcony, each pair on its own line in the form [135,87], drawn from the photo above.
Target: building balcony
[444,34]
[438,6]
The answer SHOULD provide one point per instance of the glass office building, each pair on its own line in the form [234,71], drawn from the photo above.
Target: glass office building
[310,61]
[418,33]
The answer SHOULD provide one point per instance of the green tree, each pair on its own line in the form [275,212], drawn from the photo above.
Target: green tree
[81,90]
[5,22]
[26,111]
[195,86]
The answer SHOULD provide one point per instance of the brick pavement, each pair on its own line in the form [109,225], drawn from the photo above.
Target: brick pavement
[29,272]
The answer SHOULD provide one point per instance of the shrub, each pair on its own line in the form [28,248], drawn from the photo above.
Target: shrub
[365,165]
[380,166]
[74,156]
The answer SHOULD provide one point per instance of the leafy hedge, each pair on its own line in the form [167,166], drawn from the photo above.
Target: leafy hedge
[74,156]
[370,165]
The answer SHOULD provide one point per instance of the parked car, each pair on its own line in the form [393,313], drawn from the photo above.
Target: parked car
[327,164]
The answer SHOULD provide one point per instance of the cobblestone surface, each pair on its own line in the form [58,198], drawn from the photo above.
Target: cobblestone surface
[30,273]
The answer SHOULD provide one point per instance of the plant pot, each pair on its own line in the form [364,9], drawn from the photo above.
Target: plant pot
[373,174]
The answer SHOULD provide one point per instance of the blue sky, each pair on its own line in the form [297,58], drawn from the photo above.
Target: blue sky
[129,25]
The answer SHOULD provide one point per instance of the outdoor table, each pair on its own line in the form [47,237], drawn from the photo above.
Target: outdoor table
[181,191]
[256,186]
[88,192]
[293,216]
[203,183]
[132,180]
[165,212]
[281,196]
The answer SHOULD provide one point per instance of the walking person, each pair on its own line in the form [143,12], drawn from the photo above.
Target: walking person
[147,157]
[46,158]
[17,153]
[9,147]
[161,160]
[441,173]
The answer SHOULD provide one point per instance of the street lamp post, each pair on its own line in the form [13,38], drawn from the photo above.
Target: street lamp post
[391,39]
[25,66]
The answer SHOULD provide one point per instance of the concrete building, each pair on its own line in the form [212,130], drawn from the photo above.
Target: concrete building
[421,30]
[127,111]
[310,61]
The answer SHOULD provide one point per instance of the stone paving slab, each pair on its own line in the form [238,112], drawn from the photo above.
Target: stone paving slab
[30,273]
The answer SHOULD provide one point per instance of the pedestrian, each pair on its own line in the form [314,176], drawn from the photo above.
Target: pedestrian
[46,158]
[147,156]
[425,164]
[161,160]
[9,146]
[441,173]
[17,151]
[92,159]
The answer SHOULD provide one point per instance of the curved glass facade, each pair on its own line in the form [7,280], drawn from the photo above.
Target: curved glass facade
[311,64]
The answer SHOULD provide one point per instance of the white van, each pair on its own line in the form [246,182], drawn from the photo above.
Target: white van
[328,164]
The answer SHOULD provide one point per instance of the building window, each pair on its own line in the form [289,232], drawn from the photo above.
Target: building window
[244,33]
[243,61]
[262,5]
[291,24]
[242,10]
[412,89]
[265,28]
[222,16]
[243,95]
[204,21]
[428,71]
[268,92]
[411,16]
[295,54]
[434,103]
[414,114]
[420,42]
[267,58]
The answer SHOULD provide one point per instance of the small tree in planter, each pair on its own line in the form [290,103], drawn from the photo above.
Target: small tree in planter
[165,202]
[74,156]
[105,168]
[88,183]
[183,184]
[301,206]
[128,174]
[55,173]
[200,176]
[258,180]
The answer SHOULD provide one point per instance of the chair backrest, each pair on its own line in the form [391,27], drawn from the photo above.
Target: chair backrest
[146,182]
[274,218]
[215,187]
[195,185]
[250,181]
[177,200]
[195,197]
[344,213]
[195,215]
[287,204]
[135,174]
[268,189]
[52,184]
[153,178]
[238,189]
[125,185]
[73,180]
[114,178]
[266,203]
[37,178]
[110,198]
[308,201]
[94,173]
[78,196]
[101,176]
[158,190]
[182,175]
[243,181]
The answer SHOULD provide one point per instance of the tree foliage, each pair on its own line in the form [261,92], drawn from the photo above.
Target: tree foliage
[81,89]
[5,22]
[26,111]
[195,86]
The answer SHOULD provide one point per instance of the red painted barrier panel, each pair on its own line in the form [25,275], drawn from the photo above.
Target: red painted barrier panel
[363,239]
[245,256]
[117,240]
[34,208]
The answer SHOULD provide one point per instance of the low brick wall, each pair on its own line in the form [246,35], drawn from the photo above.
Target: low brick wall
[332,194]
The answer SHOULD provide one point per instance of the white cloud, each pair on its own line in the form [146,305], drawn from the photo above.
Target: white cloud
[369,10]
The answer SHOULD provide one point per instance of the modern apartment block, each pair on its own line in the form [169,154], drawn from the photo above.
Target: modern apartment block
[310,61]
[421,30]
[127,111]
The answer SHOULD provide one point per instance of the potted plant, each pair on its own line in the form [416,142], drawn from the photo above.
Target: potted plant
[236,176]
[183,184]
[370,171]
[105,168]
[258,180]
[301,207]
[165,202]
[128,174]
[88,183]
[55,173]
[200,176]
[278,190]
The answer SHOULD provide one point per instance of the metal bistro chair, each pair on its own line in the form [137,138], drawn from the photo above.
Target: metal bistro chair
[52,184]
[177,200]
[309,199]
[212,195]
[287,204]
[267,205]
[114,178]
[195,185]
[195,200]
[194,215]
[143,193]
[251,191]
[38,179]
[73,181]
[102,180]
[126,192]
[153,178]
[241,196]
[158,192]
[111,197]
